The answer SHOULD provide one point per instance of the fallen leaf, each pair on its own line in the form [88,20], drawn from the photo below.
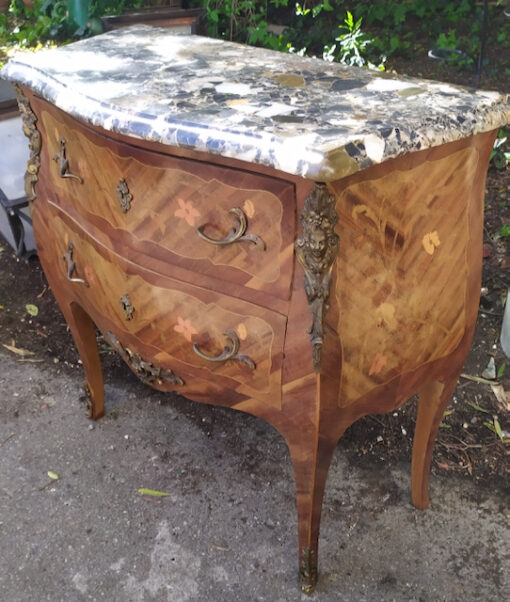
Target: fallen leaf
[490,426]
[219,548]
[33,310]
[152,492]
[477,379]
[502,396]
[53,475]
[18,350]
[498,429]
[475,406]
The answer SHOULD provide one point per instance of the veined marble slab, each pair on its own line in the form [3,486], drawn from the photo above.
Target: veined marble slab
[303,116]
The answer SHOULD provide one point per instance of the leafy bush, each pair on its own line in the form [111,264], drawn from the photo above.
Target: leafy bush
[361,32]
[454,25]
[56,20]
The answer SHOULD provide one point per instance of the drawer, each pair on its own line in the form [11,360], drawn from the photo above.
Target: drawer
[232,343]
[220,224]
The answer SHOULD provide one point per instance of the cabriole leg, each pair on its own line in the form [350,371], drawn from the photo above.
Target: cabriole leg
[84,334]
[432,401]
[311,456]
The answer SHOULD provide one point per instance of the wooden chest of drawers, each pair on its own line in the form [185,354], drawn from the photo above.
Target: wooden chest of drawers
[137,228]
[308,288]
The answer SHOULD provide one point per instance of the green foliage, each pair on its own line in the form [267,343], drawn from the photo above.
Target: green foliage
[353,44]
[403,27]
[449,47]
[47,20]
[56,20]
[504,231]
[500,155]
[361,32]
[495,427]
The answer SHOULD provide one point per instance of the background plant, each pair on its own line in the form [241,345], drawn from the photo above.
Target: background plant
[379,29]
[500,155]
[56,20]
[361,32]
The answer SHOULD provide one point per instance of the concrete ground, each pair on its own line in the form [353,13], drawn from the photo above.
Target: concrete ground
[227,530]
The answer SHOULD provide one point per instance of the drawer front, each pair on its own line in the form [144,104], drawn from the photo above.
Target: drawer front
[216,222]
[193,331]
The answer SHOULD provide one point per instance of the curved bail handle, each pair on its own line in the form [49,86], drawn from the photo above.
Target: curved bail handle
[63,163]
[238,232]
[230,351]
[71,265]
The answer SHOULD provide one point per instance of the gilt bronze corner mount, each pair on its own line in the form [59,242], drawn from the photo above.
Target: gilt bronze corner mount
[34,142]
[146,371]
[316,251]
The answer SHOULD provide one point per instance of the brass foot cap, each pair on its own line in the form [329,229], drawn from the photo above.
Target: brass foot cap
[308,571]
[307,588]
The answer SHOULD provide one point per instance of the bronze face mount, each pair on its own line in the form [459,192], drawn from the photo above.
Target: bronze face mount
[316,251]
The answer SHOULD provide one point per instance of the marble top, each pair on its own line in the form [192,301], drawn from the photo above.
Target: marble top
[300,115]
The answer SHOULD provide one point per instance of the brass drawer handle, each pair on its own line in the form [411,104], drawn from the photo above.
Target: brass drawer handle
[68,257]
[238,233]
[63,168]
[230,352]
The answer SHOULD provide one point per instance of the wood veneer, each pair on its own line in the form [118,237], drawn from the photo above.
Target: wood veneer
[398,319]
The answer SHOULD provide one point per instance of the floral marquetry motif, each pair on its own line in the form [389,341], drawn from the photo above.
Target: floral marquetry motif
[316,251]
[393,307]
